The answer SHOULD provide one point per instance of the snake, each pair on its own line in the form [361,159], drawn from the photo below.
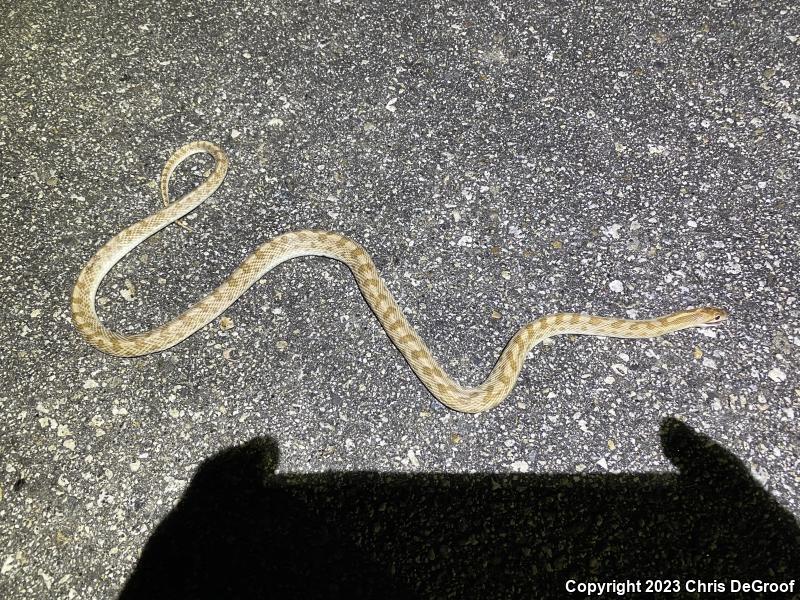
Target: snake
[286,246]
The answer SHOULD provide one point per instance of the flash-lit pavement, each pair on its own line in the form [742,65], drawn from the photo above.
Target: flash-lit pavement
[498,161]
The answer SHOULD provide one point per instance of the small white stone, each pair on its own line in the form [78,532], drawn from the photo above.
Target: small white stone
[603,464]
[761,475]
[777,375]
[90,384]
[9,564]
[129,291]
[235,133]
[709,362]
[692,223]
[616,286]
[612,231]
[609,380]
[465,240]
[135,466]
[390,105]
[413,458]
[520,466]
[48,579]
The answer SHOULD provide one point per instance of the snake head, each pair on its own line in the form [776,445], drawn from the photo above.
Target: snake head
[710,316]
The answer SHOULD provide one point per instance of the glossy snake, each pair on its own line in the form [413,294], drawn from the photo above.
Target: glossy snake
[289,245]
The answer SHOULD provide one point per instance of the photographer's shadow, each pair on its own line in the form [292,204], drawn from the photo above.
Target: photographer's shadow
[241,531]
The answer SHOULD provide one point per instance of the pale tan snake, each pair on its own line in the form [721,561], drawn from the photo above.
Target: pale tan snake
[491,392]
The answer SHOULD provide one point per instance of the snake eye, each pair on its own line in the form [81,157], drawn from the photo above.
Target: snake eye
[713,316]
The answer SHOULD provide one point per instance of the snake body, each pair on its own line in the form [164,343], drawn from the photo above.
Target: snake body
[270,254]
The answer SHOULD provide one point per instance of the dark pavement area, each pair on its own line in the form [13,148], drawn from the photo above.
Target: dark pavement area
[500,161]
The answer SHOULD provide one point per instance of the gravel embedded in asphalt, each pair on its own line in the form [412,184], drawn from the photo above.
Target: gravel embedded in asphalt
[499,162]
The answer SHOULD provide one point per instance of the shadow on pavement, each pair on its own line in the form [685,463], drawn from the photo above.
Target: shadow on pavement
[240,531]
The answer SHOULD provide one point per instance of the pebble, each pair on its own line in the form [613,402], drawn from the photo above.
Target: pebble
[616,286]
[465,240]
[129,292]
[520,466]
[612,231]
[777,375]
[619,369]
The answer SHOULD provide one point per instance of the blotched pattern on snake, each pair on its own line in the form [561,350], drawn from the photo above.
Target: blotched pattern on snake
[289,245]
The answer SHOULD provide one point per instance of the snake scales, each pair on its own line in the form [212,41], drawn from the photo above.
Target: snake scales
[289,245]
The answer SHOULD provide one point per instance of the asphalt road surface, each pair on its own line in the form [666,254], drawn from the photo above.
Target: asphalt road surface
[499,161]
